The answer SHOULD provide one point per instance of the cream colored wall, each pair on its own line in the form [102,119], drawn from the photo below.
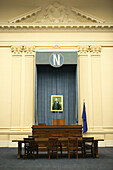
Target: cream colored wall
[17,82]
[107,92]
[99,107]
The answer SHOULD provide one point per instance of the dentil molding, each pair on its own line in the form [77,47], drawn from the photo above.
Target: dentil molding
[104,27]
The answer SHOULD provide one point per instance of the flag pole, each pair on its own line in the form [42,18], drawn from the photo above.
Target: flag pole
[83,101]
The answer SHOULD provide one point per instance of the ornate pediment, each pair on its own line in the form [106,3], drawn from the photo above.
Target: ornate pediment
[56,17]
[56,13]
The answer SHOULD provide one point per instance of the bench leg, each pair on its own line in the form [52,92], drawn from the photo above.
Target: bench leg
[96,149]
[19,150]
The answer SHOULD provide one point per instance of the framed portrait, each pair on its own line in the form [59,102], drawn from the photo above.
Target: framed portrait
[57,103]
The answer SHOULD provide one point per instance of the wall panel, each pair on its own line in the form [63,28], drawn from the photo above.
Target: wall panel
[16,92]
[28,88]
[83,85]
[107,86]
[96,91]
[5,87]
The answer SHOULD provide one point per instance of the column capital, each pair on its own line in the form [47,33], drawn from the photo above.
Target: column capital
[29,50]
[92,50]
[83,50]
[18,50]
[95,50]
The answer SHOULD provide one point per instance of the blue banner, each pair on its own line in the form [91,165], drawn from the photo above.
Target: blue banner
[84,119]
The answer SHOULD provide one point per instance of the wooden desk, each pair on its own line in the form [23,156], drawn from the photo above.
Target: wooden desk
[45,140]
[59,130]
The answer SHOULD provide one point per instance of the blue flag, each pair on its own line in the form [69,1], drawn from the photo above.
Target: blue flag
[84,119]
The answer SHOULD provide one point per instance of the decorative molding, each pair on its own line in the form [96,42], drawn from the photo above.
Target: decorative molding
[101,132]
[56,27]
[15,131]
[26,131]
[16,137]
[88,16]
[108,143]
[83,50]
[56,13]
[57,50]
[24,16]
[56,47]
[86,50]
[95,132]
[107,127]
[95,50]
[42,45]
[16,50]
[5,144]
[56,17]
[27,50]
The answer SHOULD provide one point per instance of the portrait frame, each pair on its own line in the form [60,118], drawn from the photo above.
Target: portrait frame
[56,103]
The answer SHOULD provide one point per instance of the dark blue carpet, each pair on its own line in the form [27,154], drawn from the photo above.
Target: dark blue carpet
[9,161]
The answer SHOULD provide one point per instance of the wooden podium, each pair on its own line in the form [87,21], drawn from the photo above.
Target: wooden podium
[58,121]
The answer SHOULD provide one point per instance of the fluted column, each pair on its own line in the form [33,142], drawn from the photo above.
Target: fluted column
[21,52]
[29,53]
[95,53]
[85,54]
[16,87]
